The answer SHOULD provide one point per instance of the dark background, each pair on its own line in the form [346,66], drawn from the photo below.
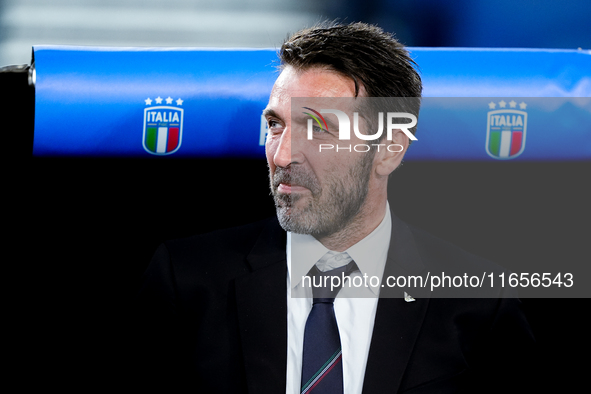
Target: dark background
[80,232]
[474,23]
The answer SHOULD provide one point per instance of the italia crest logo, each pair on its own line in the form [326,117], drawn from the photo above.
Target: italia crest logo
[163,126]
[506,129]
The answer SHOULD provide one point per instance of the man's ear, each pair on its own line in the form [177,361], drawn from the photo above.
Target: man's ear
[390,155]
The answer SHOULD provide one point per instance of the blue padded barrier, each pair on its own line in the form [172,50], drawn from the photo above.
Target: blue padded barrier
[186,102]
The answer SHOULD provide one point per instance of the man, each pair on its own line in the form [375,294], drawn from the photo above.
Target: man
[230,312]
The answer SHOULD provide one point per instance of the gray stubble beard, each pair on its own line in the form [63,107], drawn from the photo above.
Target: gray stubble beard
[344,198]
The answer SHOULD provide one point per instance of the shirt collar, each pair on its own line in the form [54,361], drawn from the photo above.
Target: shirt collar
[370,253]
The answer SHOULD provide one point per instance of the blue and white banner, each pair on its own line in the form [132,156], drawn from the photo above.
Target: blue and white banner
[181,102]
[506,128]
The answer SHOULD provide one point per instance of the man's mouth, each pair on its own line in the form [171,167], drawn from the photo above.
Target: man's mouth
[286,182]
[287,188]
[284,188]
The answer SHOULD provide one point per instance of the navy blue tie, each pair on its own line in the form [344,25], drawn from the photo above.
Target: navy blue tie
[322,367]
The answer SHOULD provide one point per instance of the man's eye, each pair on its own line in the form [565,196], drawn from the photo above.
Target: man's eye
[318,129]
[273,124]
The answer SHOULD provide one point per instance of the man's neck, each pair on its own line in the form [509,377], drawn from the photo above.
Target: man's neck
[367,220]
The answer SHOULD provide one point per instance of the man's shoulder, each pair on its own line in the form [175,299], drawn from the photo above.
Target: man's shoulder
[440,255]
[229,244]
[453,272]
[217,256]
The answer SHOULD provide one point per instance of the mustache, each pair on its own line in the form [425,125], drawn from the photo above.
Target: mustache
[299,177]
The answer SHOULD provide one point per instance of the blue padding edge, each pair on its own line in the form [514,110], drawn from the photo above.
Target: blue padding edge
[133,102]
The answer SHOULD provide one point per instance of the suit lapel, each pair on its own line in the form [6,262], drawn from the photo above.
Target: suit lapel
[263,330]
[396,328]
[397,322]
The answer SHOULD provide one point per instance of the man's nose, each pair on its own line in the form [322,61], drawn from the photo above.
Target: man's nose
[282,156]
[288,152]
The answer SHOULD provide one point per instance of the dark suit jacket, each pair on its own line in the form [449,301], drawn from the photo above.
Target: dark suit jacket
[214,318]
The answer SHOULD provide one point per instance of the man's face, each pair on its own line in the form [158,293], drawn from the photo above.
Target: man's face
[317,193]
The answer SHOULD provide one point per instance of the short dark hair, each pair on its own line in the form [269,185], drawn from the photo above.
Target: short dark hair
[365,53]
[368,55]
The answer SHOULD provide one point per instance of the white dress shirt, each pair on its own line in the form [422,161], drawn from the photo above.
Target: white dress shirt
[355,307]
